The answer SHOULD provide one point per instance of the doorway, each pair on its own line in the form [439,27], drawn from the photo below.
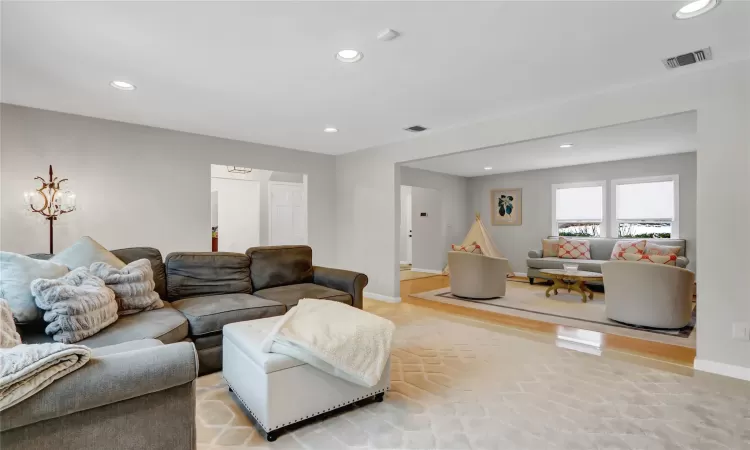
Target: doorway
[287,218]
[406,230]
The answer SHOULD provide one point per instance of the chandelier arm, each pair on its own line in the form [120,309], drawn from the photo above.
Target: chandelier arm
[46,203]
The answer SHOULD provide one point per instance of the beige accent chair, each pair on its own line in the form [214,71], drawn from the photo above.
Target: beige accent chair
[477,276]
[649,295]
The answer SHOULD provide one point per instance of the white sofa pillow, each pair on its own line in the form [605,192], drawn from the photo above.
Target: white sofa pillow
[84,252]
[16,274]
[133,285]
[76,306]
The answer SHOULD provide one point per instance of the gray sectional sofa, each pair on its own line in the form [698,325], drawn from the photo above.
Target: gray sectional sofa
[138,391]
[601,251]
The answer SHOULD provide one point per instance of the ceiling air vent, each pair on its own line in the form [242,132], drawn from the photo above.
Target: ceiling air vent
[688,58]
[416,129]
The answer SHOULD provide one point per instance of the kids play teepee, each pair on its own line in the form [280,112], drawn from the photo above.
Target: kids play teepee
[478,235]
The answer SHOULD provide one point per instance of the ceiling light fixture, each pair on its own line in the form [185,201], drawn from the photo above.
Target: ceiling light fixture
[566,145]
[122,85]
[696,8]
[331,130]
[488,168]
[349,56]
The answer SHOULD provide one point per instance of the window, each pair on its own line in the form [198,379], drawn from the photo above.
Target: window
[645,207]
[578,209]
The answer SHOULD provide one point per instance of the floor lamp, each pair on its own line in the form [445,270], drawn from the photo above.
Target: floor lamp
[50,201]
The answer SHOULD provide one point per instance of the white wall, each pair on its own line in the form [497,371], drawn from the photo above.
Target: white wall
[138,185]
[428,249]
[368,201]
[238,210]
[514,242]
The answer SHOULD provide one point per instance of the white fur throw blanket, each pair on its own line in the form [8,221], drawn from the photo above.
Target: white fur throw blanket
[133,285]
[341,340]
[76,305]
[8,335]
[27,369]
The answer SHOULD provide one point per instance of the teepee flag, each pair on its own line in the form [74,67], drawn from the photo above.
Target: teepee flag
[478,235]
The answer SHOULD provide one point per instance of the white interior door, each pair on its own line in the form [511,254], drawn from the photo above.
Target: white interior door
[406,231]
[287,213]
[428,241]
[238,213]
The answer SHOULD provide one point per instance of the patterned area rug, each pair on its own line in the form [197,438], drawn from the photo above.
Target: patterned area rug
[530,302]
[461,384]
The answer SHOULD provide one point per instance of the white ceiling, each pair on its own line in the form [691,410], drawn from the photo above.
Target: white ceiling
[661,136]
[265,71]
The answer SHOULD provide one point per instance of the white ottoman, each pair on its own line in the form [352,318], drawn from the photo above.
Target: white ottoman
[278,390]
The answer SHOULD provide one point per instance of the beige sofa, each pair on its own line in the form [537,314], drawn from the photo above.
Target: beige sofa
[477,276]
[649,295]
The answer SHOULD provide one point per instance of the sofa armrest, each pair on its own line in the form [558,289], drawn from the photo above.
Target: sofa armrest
[535,253]
[353,283]
[682,261]
[105,380]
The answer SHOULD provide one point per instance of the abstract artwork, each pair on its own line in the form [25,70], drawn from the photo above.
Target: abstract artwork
[506,206]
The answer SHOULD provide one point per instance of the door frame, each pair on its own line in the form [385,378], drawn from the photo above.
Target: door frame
[304,204]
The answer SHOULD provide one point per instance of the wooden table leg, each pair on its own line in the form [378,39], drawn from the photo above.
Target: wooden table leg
[556,284]
[581,287]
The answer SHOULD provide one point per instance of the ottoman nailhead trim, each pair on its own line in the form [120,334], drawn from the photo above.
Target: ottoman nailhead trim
[265,428]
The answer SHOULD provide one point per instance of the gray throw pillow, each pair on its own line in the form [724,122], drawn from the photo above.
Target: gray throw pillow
[84,252]
[16,274]
[77,305]
[133,285]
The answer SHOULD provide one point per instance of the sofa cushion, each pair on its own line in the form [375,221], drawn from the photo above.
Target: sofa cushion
[125,347]
[84,252]
[574,249]
[128,255]
[209,314]
[197,274]
[589,265]
[279,266]
[166,324]
[550,248]
[291,294]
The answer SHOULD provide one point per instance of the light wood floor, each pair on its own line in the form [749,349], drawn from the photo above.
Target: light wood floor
[681,356]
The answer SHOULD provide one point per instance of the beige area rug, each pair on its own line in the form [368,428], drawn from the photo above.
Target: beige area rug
[528,301]
[462,384]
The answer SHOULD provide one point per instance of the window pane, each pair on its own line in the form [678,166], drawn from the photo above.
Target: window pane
[579,204]
[645,229]
[640,201]
[590,229]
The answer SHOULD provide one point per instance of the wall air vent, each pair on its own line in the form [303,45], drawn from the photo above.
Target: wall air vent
[688,58]
[416,129]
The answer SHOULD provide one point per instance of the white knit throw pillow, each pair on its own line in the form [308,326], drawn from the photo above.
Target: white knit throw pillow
[76,306]
[133,285]
[8,335]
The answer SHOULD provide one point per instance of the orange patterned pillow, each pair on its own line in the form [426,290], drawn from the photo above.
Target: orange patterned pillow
[634,247]
[471,248]
[662,250]
[669,260]
[574,249]
[550,248]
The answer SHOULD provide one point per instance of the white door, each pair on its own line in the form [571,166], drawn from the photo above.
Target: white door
[428,241]
[238,213]
[287,213]
[406,231]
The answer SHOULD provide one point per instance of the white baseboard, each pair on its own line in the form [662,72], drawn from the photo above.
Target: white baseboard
[404,262]
[728,370]
[382,298]
[520,274]
[426,270]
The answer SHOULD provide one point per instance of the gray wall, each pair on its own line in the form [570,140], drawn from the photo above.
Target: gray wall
[514,242]
[137,185]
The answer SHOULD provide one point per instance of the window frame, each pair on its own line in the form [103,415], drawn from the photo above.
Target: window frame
[675,179]
[603,227]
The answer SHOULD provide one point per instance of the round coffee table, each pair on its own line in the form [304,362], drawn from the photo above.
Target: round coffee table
[575,281]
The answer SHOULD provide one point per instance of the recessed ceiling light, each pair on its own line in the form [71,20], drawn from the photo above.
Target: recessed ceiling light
[349,56]
[122,85]
[696,8]
[488,168]
[566,145]
[331,130]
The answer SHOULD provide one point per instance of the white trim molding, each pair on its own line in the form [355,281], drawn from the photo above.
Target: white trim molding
[675,179]
[382,298]
[440,272]
[728,370]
